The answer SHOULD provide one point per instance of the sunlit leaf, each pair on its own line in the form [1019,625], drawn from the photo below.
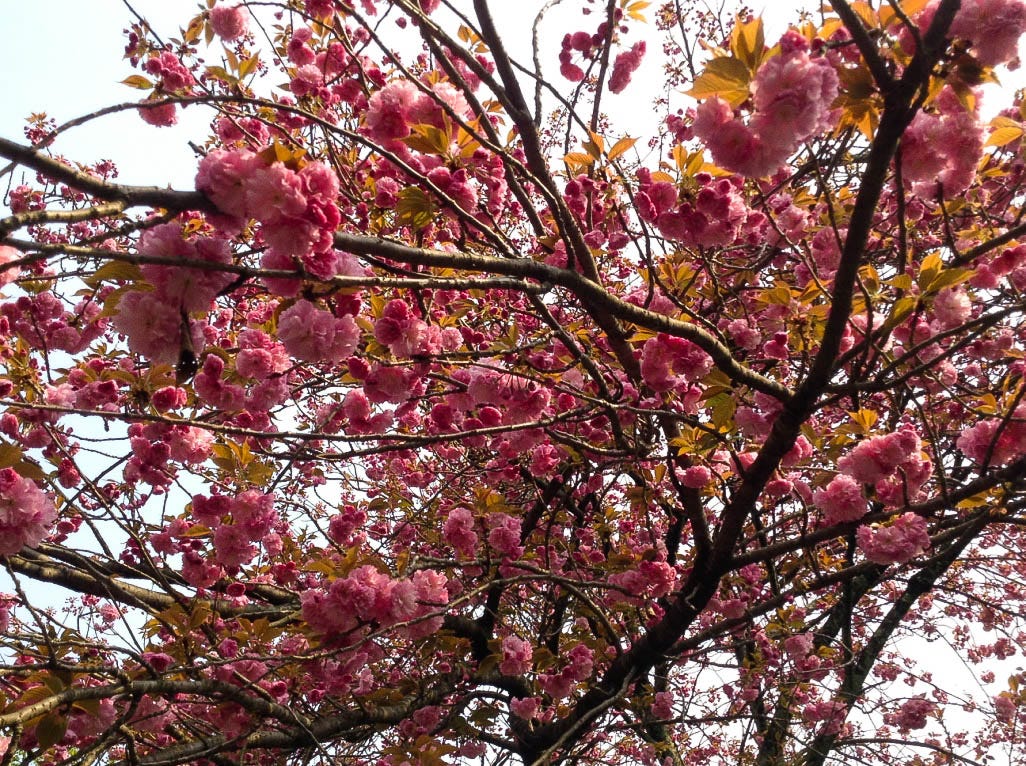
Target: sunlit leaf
[725,77]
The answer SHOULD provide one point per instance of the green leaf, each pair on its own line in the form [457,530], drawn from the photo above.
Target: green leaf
[29,470]
[114,271]
[137,81]
[51,730]
[10,455]
[415,208]
[725,77]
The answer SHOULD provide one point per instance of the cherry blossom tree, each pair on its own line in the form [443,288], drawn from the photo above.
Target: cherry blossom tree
[449,419]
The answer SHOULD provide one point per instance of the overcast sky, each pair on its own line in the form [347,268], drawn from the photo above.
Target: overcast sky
[64,57]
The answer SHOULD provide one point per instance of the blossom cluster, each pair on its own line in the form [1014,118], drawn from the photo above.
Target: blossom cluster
[713,216]
[995,441]
[667,362]
[26,513]
[940,149]
[368,596]
[296,209]
[904,538]
[155,319]
[396,108]
[991,27]
[892,463]
[792,94]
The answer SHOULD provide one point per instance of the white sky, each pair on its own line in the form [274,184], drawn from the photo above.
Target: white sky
[64,57]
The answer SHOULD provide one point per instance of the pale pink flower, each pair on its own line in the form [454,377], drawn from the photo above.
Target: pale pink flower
[799,645]
[232,546]
[459,531]
[516,656]
[9,273]
[525,707]
[504,535]
[667,361]
[912,714]
[696,477]
[259,355]
[903,539]
[940,150]
[1005,707]
[880,456]
[951,307]
[993,27]
[223,175]
[316,335]
[832,713]
[228,21]
[187,288]
[662,706]
[153,326]
[26,513]
[792,94]
[159,115]
[580,662]
[427,109]
[390,110]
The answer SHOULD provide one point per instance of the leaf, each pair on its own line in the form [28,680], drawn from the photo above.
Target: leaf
[902,308]
[909,7]
[865,419]
[249,65]
[949,278]
[427,139]
[90,707]
[29,470]
[634,10]
[748,42]
[578,162]
[621,146]
[137,81]
[10,455]
[114,271]
[415,208]
[51,730]
[928,270]
[724,77]
[194,31]
[1005,131]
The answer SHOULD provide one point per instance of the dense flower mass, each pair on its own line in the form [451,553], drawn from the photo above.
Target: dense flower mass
[895,543]
[26,513]
[792,97]
[940,150]
[461,414]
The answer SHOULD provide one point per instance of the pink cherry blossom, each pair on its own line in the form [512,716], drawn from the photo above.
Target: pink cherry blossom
[504,534]
[879,456]
[792,94]
[841,500]
[516,656]
[459,531]
[662,706]
[315,335]
[912,714]
[228,21]
[626,63]
[26,513]
[390,110]
[904,538]
[8,273]
[940,149]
